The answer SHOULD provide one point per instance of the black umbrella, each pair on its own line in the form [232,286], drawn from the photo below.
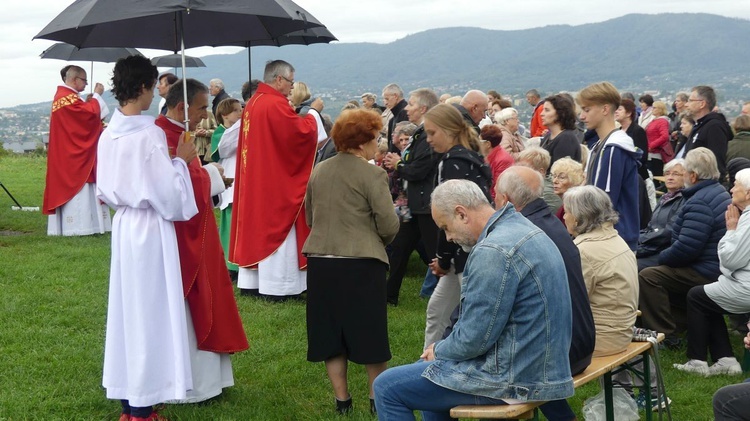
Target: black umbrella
[67,52]
[175,60]
[320,35]
[159,24]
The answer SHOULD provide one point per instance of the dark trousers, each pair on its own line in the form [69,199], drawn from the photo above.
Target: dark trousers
[135,411]
[419,227]
[732,403]
[706,328]
[663,288]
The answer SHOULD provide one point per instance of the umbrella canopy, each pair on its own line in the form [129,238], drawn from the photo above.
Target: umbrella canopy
[175,60]
[63,51]
[160,24]
[156,24]
[320,35]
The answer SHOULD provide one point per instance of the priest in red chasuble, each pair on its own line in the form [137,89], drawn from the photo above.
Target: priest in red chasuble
[275,157]
[214,326]
[74,128]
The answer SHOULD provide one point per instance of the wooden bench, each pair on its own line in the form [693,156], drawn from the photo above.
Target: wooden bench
[599,367]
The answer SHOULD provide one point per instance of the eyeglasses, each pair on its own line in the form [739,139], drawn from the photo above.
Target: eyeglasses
[695,99]
[288,80]
[560,176]
[674,174]
[86,81]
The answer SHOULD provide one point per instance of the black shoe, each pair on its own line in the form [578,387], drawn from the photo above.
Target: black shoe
[373,410]
[249,292]
[233,275]
[672,342]
[392,301]
[344,407]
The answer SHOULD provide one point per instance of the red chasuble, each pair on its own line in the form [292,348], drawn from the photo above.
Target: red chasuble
[74,129]
[205,278]
[276,153]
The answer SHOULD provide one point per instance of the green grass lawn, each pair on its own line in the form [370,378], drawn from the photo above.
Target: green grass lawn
[52,321]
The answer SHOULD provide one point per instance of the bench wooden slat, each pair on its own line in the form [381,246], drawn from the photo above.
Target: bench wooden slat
[598,367]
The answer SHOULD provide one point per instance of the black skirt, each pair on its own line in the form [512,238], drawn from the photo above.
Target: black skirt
[346,310]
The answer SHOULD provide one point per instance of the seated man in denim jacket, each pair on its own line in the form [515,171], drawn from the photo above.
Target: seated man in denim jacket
[511,341]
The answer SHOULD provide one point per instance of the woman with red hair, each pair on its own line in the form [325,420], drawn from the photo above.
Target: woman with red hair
[349,210]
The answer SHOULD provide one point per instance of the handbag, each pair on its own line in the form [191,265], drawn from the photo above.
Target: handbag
[667,152]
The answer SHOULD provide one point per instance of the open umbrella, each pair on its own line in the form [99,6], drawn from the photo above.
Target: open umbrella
[68,52]
[175,60]
[320,35]
[160,24]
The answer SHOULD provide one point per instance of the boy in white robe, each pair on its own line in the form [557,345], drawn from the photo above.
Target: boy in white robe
[146,356]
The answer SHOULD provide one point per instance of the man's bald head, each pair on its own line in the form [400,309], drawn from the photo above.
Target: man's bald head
[519,185]
[475,103]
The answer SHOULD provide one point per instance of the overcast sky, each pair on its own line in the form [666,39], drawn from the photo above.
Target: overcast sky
[25,78]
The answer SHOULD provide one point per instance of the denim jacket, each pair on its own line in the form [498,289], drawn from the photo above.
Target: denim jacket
[513,333]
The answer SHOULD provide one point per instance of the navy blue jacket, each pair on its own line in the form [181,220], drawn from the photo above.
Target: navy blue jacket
[584,332]
[698,228]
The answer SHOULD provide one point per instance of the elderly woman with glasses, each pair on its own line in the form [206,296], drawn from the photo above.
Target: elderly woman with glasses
[565,173]
[609,268]
[658,234]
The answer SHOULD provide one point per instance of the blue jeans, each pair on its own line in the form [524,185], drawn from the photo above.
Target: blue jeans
[399,391]
[429,284]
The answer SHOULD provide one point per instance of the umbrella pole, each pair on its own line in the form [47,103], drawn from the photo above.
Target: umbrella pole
[184,79]
[91,76]
[249,65]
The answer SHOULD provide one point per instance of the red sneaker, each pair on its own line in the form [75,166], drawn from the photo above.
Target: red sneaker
[124,417]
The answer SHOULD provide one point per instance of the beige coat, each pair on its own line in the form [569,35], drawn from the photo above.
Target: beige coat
[511,142]
[348,206]
[610,272]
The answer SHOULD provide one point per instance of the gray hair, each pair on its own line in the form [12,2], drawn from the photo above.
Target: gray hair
[216,82]
[453,193]
[534,93]
[673,163]
[590,206]
[702,162]
[276,68]
[743,177]
[404,127]
[327,123]
[519,192]
[425,97]
[538,157]
[73,72]
[682,96]
[505,114]
[369,95]
[392,88]
[707,94]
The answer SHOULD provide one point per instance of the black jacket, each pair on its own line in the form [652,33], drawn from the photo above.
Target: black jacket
[217,99]
[460,163]
[640,141]
[584,333]
[465,114]
[399,115]
[712,132]
[419,168]
[658,233]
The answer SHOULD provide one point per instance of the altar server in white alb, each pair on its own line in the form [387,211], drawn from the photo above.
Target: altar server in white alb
[74,129]
[146,355]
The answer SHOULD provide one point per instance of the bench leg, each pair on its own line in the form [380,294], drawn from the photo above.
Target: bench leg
[608,404]
[647,386]
[661,390]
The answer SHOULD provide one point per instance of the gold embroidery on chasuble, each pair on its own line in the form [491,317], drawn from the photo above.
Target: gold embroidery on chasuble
[65,101]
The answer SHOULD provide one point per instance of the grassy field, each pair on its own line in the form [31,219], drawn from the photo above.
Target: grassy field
[52,320]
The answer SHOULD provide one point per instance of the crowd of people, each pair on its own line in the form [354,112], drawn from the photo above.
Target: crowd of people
[607,206]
